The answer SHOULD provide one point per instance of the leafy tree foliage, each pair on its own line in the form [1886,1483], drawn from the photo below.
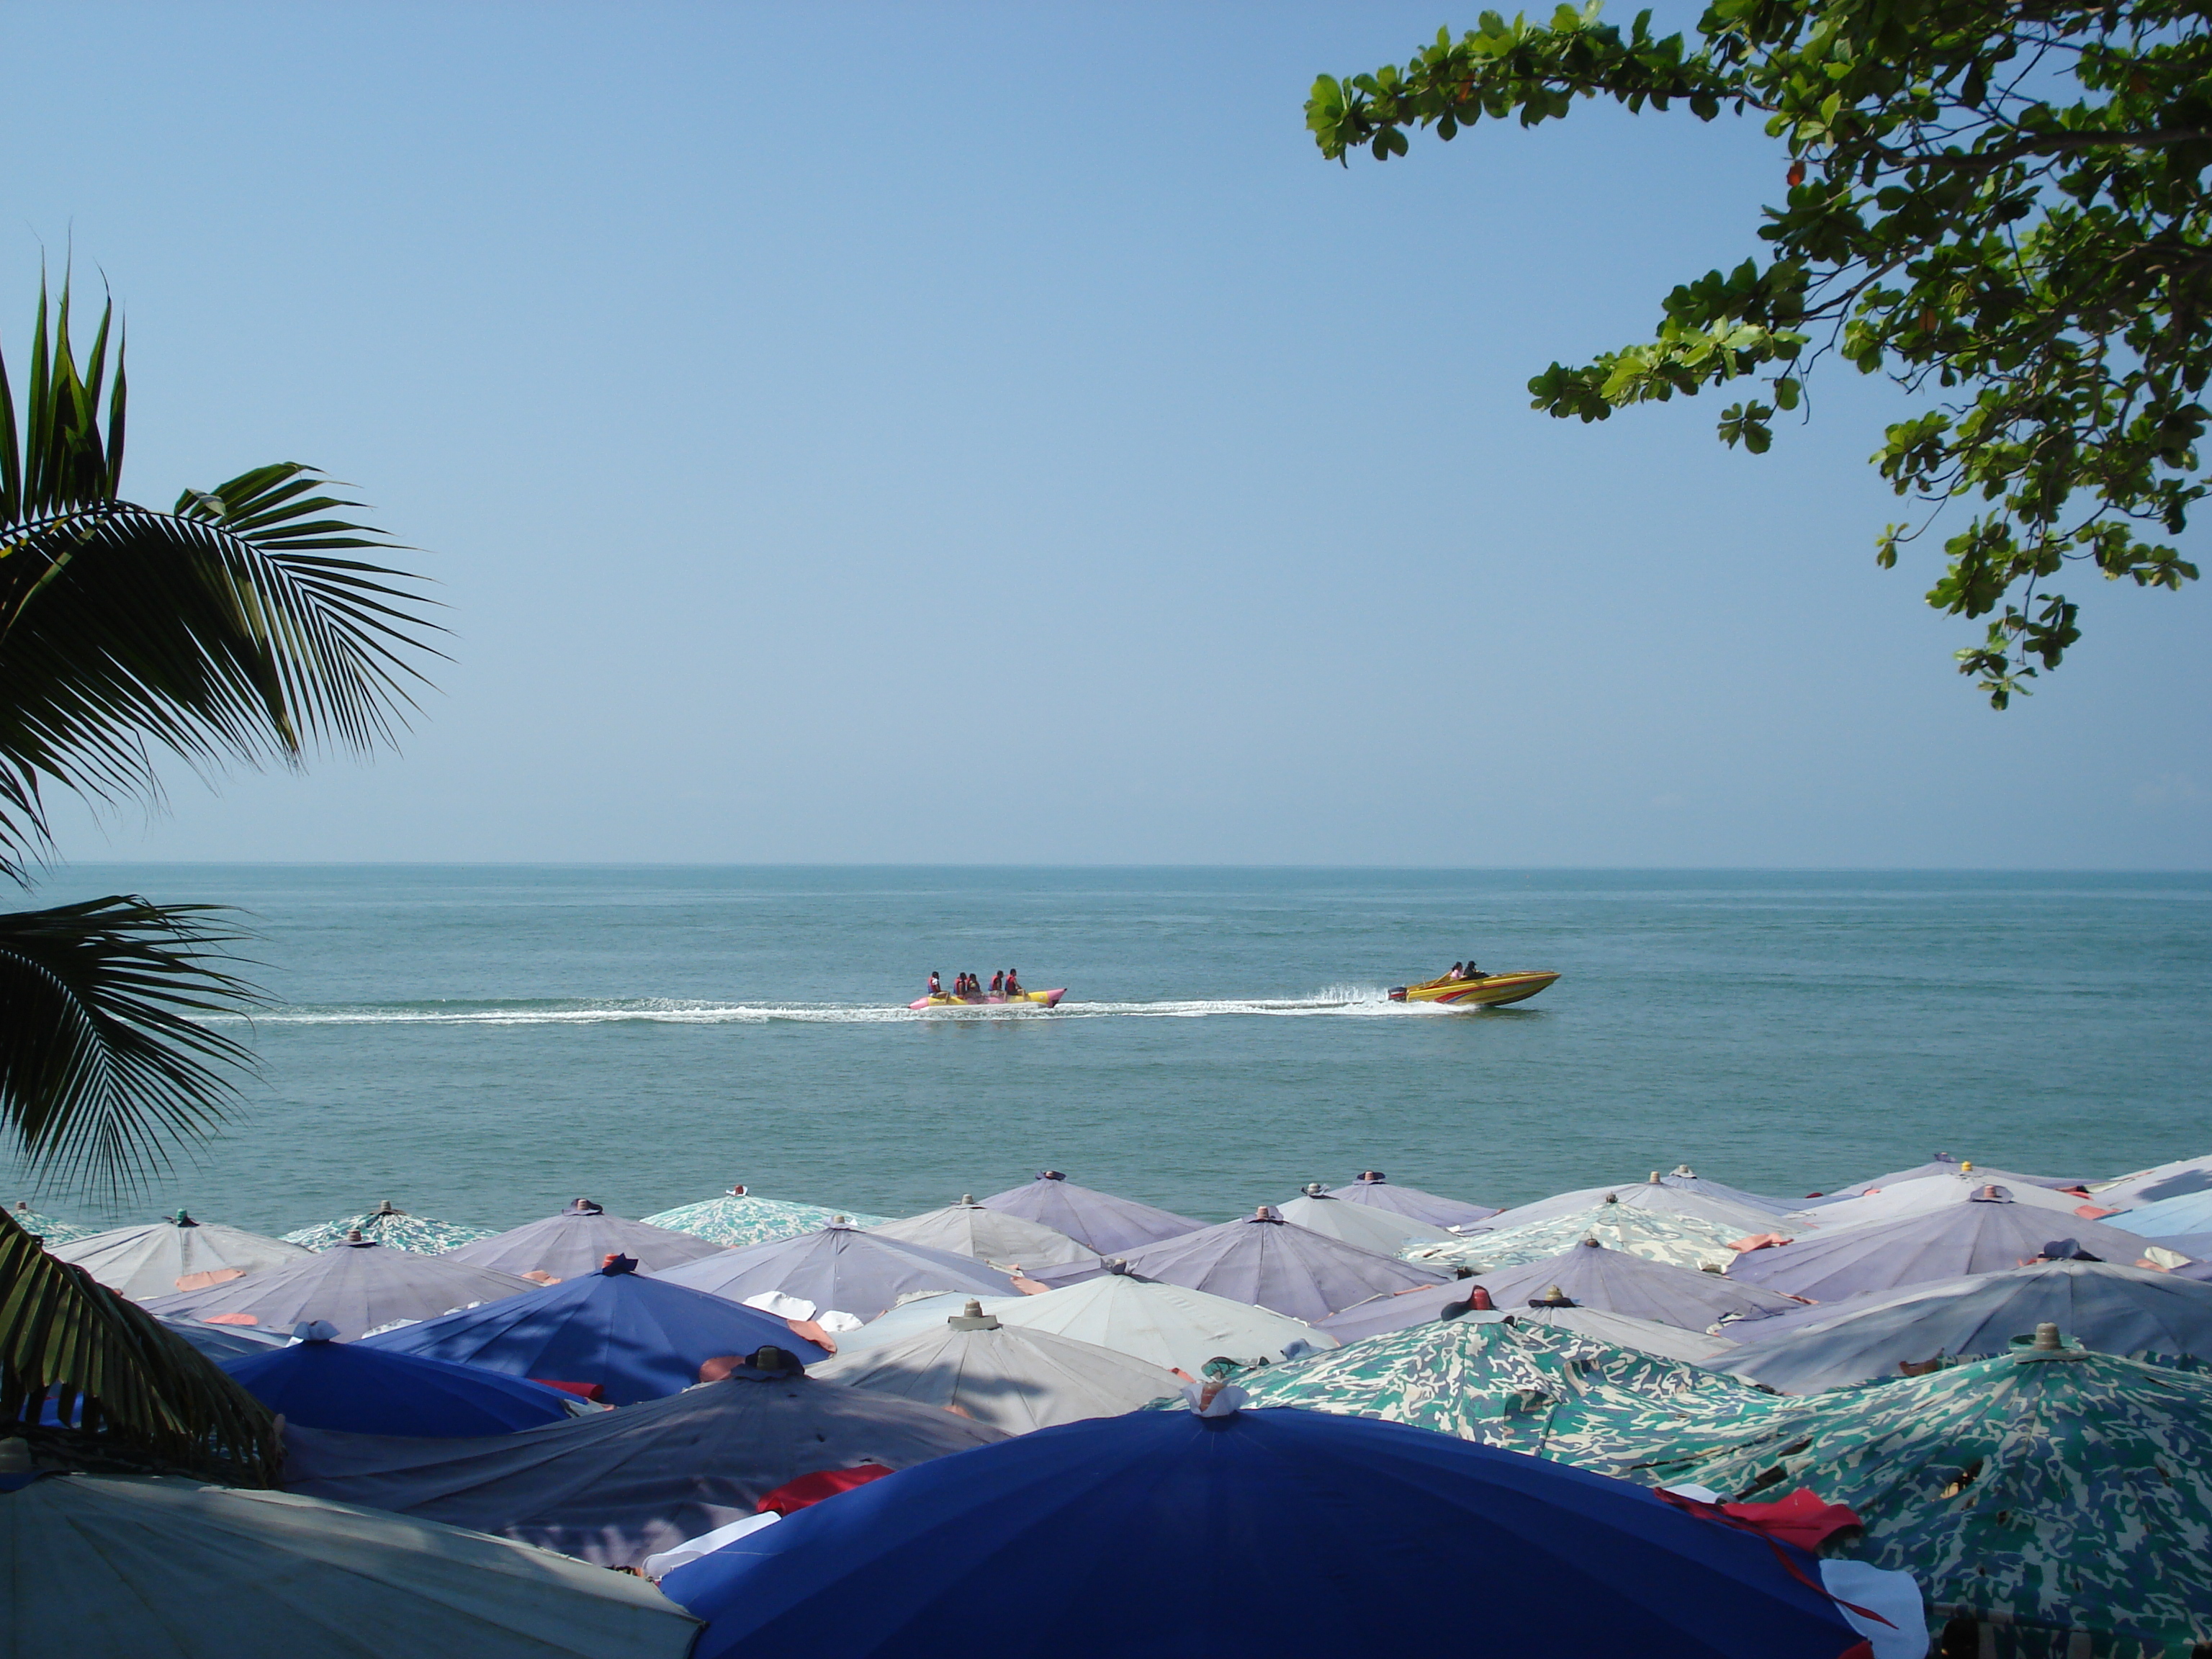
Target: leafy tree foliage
[1999,206]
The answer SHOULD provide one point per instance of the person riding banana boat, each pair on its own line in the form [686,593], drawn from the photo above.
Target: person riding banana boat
[1466,986]
[967,990]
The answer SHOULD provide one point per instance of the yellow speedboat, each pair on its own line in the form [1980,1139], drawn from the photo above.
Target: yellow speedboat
[1485,991]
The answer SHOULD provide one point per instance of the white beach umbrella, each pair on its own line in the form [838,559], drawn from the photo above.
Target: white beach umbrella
[1363,1225]
[1682,1241]
[179,1253]
[1653,1195]
[145,1567]
[1006,1242]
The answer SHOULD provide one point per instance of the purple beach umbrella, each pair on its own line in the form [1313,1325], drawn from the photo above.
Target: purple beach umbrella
[1939,1164]
[1653,1195]
[843,1269]
[1685,1179]
[1373,1188]
[1268,1262]
[1929,1192]
[1989,1232]
[616,1486]
[1617,1282]
[354,1287]
[2175,1179]
[577,1240]
[1100,1221]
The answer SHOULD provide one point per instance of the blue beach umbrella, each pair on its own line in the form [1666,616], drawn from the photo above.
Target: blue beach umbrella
[638,1338]
[2169,1217]
[1169,1534]
[317,1383]
[841,1269]
[1098,1221]
[1378,1191]
[577,1240]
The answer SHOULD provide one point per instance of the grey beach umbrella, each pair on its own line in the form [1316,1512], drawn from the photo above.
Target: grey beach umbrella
[841,1269]
[2177,1179]
[1928,1193]
[577,1240]
[977,1230]
[616,1486]
[1098,1221]
[1652,1195]
[1363,1225]
[1273,1263]
[1942,1163]
[177,1254]
[357,1286]
[1374,1189]
[1620,1283]
[1685,1179]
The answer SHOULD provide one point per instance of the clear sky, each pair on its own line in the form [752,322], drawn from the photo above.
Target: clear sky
[921,433]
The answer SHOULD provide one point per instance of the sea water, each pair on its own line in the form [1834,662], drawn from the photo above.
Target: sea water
[483,1043]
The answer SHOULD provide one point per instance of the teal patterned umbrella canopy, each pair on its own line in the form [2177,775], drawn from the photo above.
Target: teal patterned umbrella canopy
[738,1218]
[52,1228]
[1520,1384]
[2049,1490]
[392,1228]
[1680,1241]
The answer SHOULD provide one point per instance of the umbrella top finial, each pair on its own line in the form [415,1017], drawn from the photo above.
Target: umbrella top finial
[1590,1243]
[971,1317]
[1613,1198]
[354,1236]
[1654,1179]
[1215,1400]
[1554,1298]
[582,1206]
[1686,1172]
[386,1207]
[1992,1193]
[736,1189]
[2048,1344]
[1314,1189]
[617,1264]
[967,1201]
[1267,1212]
[1371,1176]
[180,1220]
[1050,1174]
[314,1330]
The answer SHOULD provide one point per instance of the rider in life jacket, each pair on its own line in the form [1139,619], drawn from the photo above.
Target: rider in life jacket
[1013,985]
[999,984]
[936,986]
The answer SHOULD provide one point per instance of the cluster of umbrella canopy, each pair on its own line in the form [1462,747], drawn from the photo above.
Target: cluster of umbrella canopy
[1620,1377]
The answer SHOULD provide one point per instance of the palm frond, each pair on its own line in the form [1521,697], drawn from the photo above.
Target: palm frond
[115,1371]
[105,1063]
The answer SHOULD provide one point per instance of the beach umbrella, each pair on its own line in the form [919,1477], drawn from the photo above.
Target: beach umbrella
[1098,1221]
[319,1383]
[1012,1379]
[1934,1193]
[1252,1532]
[2045,1490]
[1943,1163]
[977,1230]
[637,1337]
[1988,1233]
[1164,1325]
[177,1254]
[1622,1283]
[357,1286]
[2198,1247]
[1273,1263]
[2182,1175]
[1385,1314]
[1371,1228]
[739,1218]
[51,1229]
[1376,1190]
[1645,1336]
[2167,1217]
[1689,1180]
[842,1268]
[1681,1241]
[221,1342]
[616,1486]
[577,1240]
[1522,1384]
[147,1567]
[389,1225]
[1653,1196]
[2114,1310]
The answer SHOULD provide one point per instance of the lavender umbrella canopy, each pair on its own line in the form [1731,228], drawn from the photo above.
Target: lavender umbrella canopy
[1933,1192]
[1618,1282]
[1363,1225]
[1685,1179]
[358,1286]
[2108,1308]
[1273,1263]
[992,1235]
[1652,1195]
[175,1254]
[1377,1191]
[1940,1163]
[2182,1175]
[616,1486]
[841,1269]
[1098,1221]
[1989,1232]
[580,1238]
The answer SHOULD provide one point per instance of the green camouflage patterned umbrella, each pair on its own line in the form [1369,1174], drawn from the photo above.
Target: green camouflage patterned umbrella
[1681,1241]
[50,1228]
[392,1228]
[2047,1490]
[1515,1383]
[737,1218]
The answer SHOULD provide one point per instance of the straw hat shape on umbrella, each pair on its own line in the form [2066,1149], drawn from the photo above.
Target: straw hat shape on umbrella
[637,1338]
[179,1253]
[1009,1378]
[617,1486]
[839,1269]
[393,1227]
[1098,1221]
[1681,1241]
[740,1216]
[1252,1532]
[1377,1191]
[2126,1311]
[1273,1263]
[355,1286]
[1363,1224]
[115,1567]
[2047,1488]
[577,1240]
[319,1383]
[1989,1232]
[977,1230]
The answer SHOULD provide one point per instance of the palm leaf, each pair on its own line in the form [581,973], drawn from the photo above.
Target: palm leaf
[105,1063]
[118,1373]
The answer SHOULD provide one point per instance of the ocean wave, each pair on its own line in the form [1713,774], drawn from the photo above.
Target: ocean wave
[1335,1000]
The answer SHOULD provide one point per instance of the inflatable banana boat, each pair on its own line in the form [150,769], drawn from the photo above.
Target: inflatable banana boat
[1488,991]
[1047,998]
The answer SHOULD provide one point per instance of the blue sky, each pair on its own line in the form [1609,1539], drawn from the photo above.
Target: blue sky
[926,433]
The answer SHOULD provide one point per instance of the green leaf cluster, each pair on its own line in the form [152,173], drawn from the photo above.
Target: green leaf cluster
[2000,207]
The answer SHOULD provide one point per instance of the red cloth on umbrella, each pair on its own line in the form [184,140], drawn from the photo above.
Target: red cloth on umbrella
[812,1489]
[581,1390]
[1800,1519]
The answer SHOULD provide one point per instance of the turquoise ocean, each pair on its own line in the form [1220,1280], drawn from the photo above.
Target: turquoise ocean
[483,1043]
